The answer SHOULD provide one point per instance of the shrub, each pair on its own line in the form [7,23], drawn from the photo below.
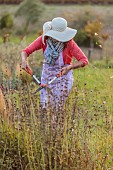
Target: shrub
[6,21]
[86,19]
[31,11]
[82,39]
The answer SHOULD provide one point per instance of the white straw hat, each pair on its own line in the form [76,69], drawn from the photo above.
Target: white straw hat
[57,29]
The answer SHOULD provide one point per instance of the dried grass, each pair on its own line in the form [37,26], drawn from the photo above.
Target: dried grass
[2,104]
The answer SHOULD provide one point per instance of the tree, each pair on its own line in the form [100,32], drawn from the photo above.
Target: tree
[92,28]
[103,38]
[31,11]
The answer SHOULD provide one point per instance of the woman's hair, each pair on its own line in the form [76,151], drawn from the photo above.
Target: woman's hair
[65,44]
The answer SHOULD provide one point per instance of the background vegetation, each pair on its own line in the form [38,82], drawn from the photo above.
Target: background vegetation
[62,1]
[80,137]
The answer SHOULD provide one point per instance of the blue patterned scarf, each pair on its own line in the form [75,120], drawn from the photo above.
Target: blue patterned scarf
[53,51]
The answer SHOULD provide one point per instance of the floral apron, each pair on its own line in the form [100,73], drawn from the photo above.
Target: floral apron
[55,95]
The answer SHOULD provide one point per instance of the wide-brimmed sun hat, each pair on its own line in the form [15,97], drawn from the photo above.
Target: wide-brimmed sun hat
[57,29]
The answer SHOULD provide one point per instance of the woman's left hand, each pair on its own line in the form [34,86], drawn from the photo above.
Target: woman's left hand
[66,69]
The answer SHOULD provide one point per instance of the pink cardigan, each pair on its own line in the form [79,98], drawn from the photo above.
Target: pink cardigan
[71,50]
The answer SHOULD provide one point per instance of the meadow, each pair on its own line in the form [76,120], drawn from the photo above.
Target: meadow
[80,137]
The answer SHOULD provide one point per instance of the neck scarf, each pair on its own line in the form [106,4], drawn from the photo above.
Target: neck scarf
[53,51]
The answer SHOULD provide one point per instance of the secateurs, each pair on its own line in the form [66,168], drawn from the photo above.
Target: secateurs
[29,71]
[51,81]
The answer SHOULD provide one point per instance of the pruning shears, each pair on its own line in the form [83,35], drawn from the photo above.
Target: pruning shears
[51,81]
[29,71]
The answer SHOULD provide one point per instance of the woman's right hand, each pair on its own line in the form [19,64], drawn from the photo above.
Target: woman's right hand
[25,64]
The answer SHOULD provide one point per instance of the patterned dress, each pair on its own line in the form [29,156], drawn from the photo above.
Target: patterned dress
[55,95]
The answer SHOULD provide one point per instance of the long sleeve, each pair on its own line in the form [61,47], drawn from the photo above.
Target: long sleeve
[35,45]
[78,53]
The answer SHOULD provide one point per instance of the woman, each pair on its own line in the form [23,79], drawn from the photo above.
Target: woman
[59,49]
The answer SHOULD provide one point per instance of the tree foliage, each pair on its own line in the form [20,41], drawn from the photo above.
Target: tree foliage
[6,21]
[87,23]
[93,27]
[31,11]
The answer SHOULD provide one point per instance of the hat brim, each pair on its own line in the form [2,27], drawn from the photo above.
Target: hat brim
[63,36]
